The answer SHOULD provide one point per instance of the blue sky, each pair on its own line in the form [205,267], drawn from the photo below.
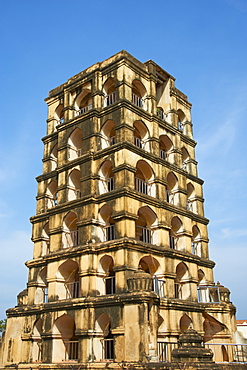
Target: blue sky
[201,43]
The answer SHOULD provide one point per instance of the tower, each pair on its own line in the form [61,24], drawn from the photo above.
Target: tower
[120,264]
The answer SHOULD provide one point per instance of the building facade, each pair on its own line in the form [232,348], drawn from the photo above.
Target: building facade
[120,264]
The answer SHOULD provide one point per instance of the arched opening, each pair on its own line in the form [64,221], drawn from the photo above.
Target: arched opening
[141,135]
[185,159]
[68,283]
[53,158]
[37,341]
[138,94]
[41,294]
[175,233]
[185,323]
[106,181]
[51,194]
[181,119]
[65,342]
[165,146]
[59,114]
[83,102]
[171,187]
[196,241]
[70,234]
[212,328]
[109,89]
[144,178]
[181,285]
[107,275]
[150,265]
[225,355]
[160,113]
[74,185]
[75,144]
[104,348]
[108,134]
[191,198]
[108,224]
[45,236]
[145,225]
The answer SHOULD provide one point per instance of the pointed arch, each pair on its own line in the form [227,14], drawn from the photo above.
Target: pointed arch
[70,234]
[141,135]
[108,134]
[74,184]
[191,204]
[106,181]
[41,293]
[139,93]
[37,340]
[109,89]
[83,102]
[68,282]
[106,270]
[171,187]
[181,284]
[65,342]
[144,177]
[196,241]
[75,144]
[185,323]
[108,231]
[145,224]
[165,146]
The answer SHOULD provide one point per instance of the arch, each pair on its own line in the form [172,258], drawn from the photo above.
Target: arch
[51,194]
[109,89]
[83,102]
[191,198]
[106,182]
[196,241]
[224,352]
[106,269]
[150,265]
[165,146]
[160,113]
[172,185]
[108,224]
[53,158]
[103,325]
[181,284]
[45,235]
[41,293]
[185,323]
[75,144]
[181,119]
[145,223]
[201,277]
[141,135]
[139,93]
[185,159]
[59,114]
[144,176]
[37,340]
[68,283]
[74,185]
[70,234]
[108,134]
[211,327]
[65,343]
[176,229]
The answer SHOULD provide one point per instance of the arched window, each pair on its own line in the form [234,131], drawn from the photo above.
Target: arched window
[59,114]
[185,159]
[160,113]
[181,285]
[65,342]
[75,144]
[105,351]
[37,340]
[108,134]
[68,284]
[181,119]
[145,225]
[165,146]
[83,102]
[138,94]
[106,182]
[171,187]
[70,234]
[175,233]
[41,294]
[45,235]
[53,158]
[191,198]
[106,268]
[141,135]
[109,89]
[196,241]
[185,323]
[74,185]
[51,194]
[144,178]
[150,265]
[108,224]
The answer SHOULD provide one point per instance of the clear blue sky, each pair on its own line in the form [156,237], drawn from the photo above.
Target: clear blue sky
[201,43]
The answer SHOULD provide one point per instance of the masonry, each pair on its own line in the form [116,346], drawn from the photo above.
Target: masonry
[120,265]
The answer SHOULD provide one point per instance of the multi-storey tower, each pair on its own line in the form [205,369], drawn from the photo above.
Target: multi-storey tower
[120,265]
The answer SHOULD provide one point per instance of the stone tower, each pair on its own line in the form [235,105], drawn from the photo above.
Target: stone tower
[120,266]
